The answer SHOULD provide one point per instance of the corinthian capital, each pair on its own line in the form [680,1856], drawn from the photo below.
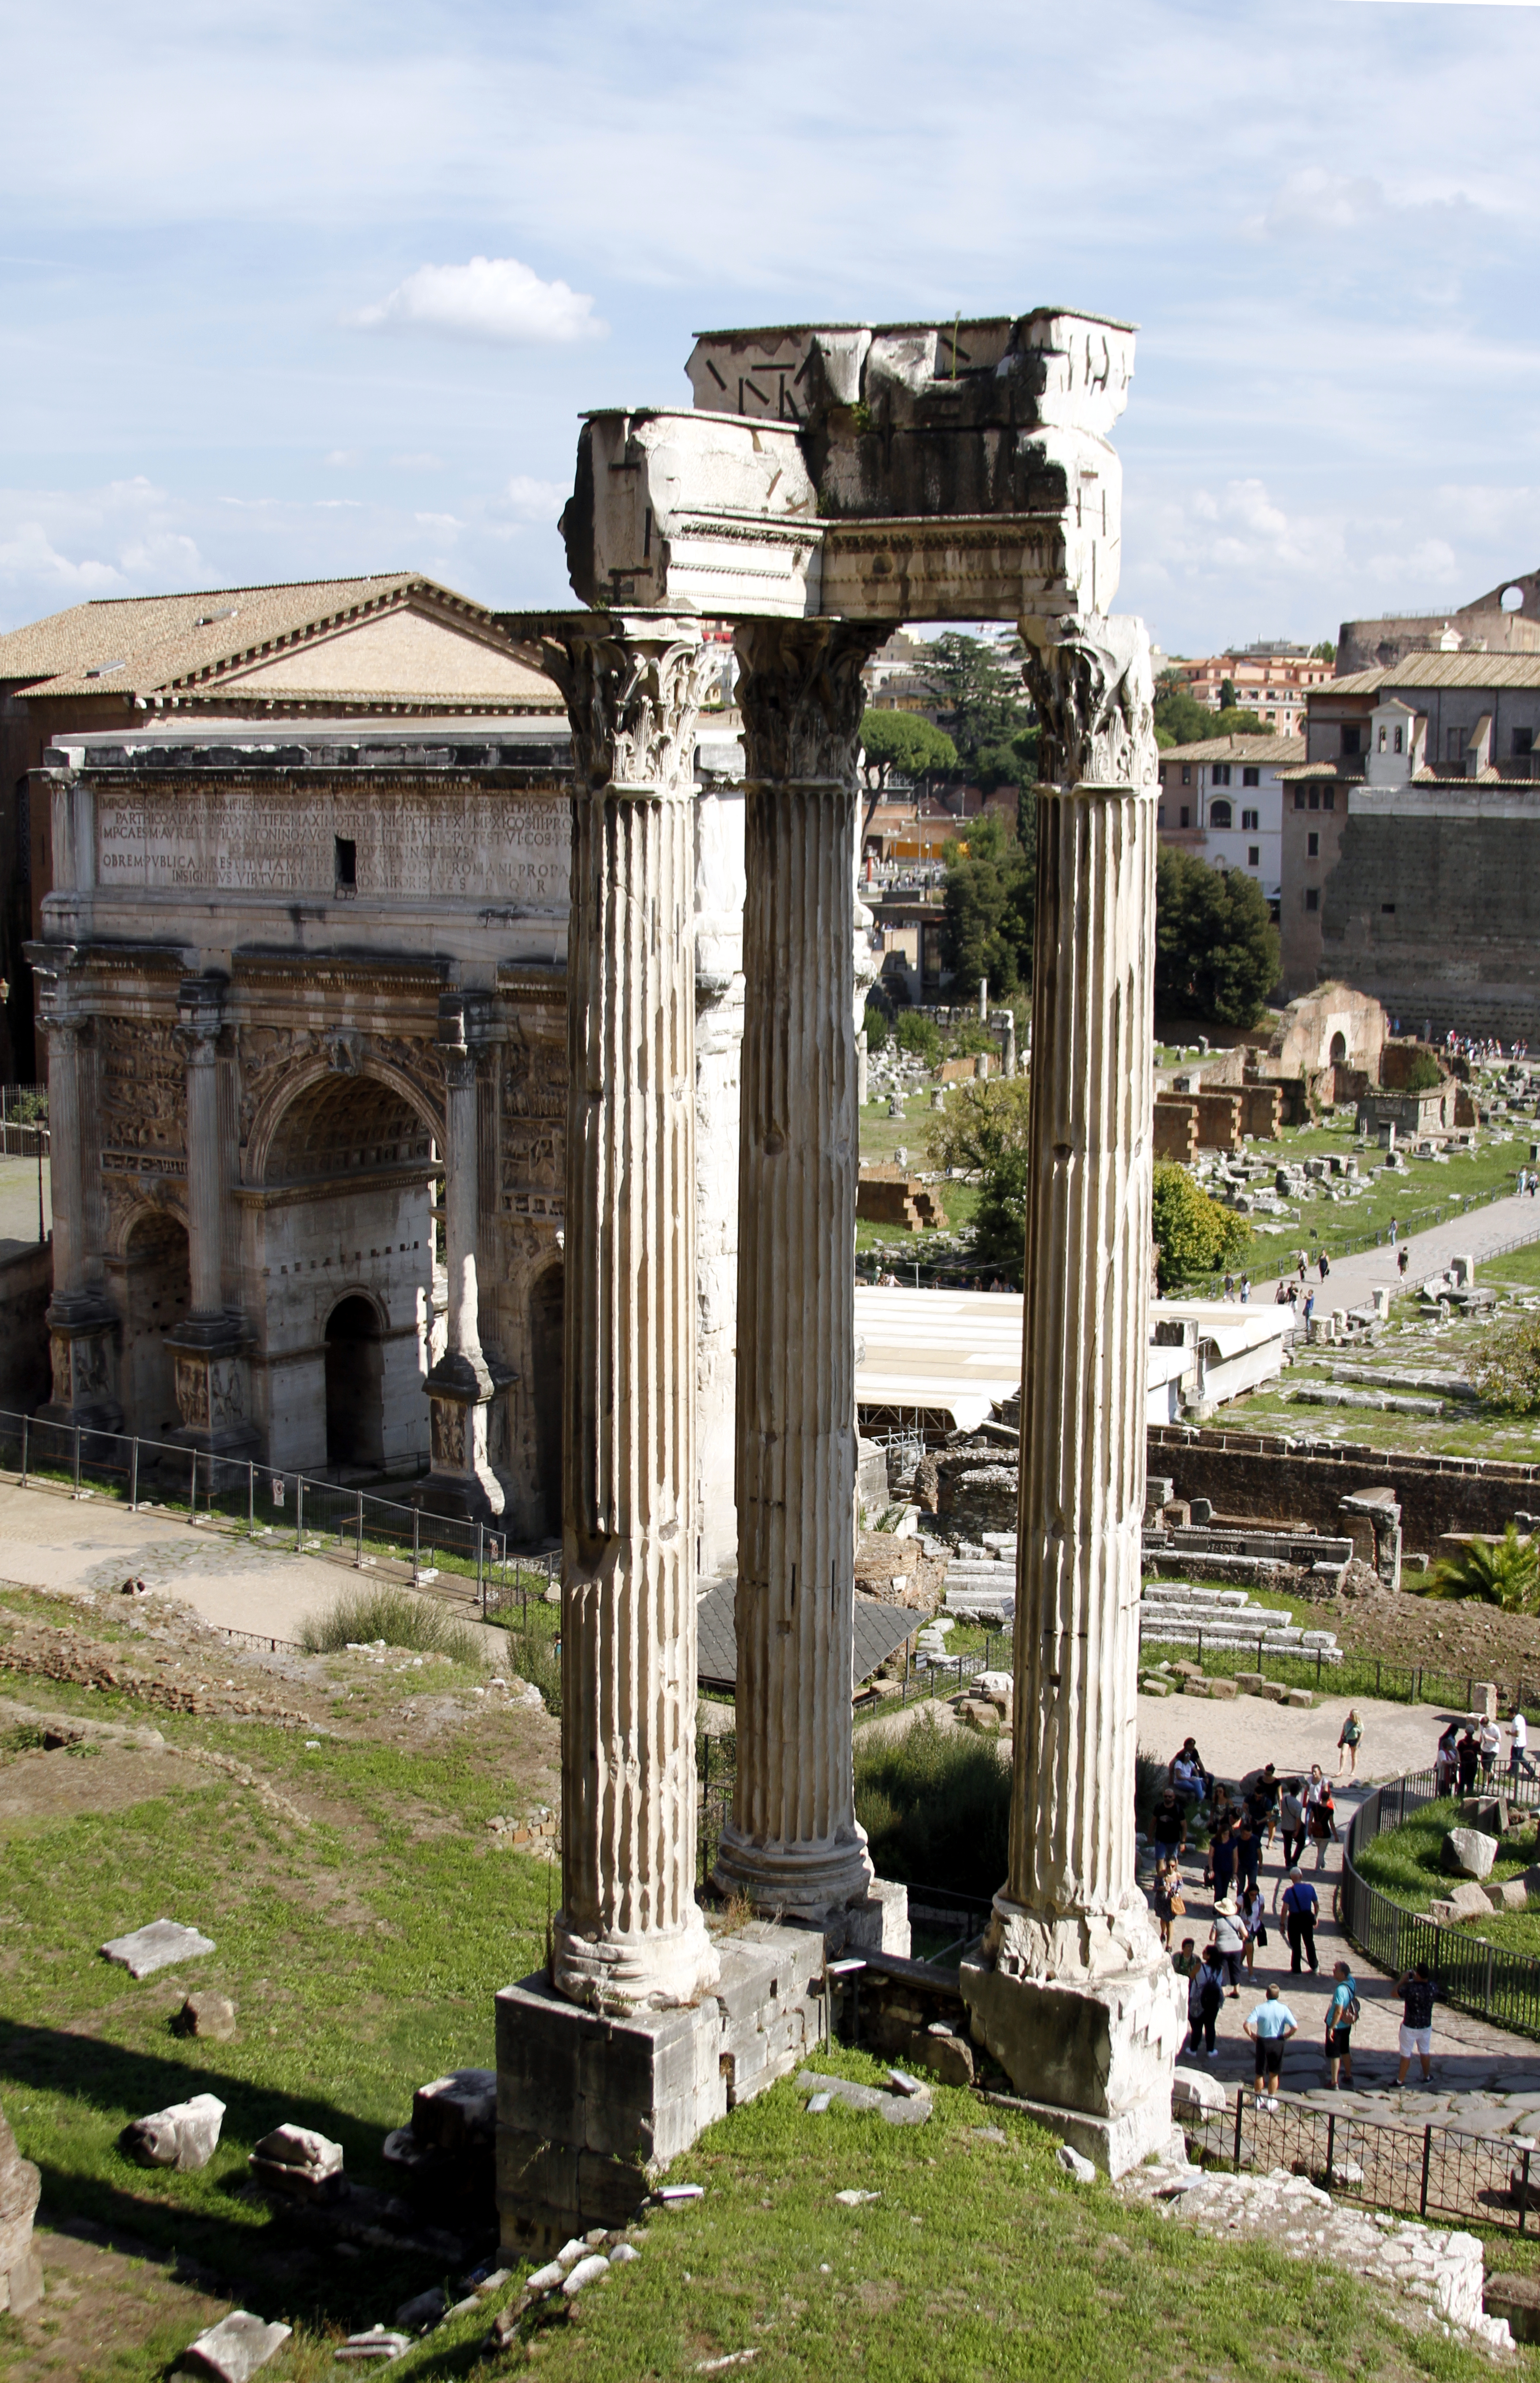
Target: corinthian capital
[1092,683]
[802,696]
[632,685]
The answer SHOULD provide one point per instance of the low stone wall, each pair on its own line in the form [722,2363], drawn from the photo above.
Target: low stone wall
[1275,1479]
[26,1288]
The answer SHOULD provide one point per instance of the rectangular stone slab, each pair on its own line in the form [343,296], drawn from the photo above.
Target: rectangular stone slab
[237,2346]
[156,1946]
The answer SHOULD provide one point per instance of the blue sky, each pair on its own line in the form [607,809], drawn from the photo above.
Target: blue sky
[244,336]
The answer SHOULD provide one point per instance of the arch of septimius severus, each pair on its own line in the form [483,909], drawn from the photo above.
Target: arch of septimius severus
[827,484]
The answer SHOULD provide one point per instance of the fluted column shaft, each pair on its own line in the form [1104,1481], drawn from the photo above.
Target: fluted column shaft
[205,1164]
[794,1842]
[461,1203]
[629,1929]
[66,1167]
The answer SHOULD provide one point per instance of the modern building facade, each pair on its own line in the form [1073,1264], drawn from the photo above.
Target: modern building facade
[1272,678]
[1222,799]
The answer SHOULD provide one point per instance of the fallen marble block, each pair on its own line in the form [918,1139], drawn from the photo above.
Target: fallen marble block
[209,2016]
[237,2346]
[156,1946]
[379,2344]
[184,2135]
[300,2162]
[1470,1853]
[899,2109]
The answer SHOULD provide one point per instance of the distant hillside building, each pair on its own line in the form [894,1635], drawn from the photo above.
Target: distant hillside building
[1271,678]
[1222,799]
[1412,842]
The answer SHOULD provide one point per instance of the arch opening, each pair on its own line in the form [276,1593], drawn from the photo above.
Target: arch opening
[1340,1049]
[159,1288]
[355,1385]
[547,1324]
[345,1125]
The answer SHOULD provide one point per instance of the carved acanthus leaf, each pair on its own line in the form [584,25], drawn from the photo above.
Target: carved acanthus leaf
[1092,683]
[632,692]
[802,698]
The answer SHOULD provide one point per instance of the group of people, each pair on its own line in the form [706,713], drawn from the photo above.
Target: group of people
[1242,1827]
[1480,1047]
[1470,1747]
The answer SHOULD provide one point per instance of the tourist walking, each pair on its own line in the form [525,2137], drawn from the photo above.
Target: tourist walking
[1444,1759]
[1298,1910]
[1404,1259]
[1219,1865]
[1310,1307]
[1323,1265]
[1321,1815]
[1395,1229]
[1205,1999]
[1170,1902]
[1416,1990]
[1291,1820]
[1251,1911]
[1518,1752]
[1247,1851]
[1343,2014]
[1468,1761]
[1168,1827]
[1269,2026]
[1347,1744]
[1261,1801]
[1229,1943]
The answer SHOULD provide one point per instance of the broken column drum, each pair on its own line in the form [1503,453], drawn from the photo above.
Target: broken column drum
[1072,1991]
[794,1844]
[629,1931]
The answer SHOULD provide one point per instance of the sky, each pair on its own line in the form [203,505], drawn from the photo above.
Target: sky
[300,291]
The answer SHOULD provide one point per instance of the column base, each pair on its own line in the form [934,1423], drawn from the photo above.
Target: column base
[463,1481]
[654,1971]
[816,1884]
[591,2109]
[1091,2055]
[213,1389]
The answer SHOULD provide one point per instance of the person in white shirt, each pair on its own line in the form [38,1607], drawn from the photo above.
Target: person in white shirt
[1491,1745]
[1518,1753]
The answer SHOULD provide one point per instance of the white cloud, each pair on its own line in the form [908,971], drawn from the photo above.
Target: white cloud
[535,501]
[28,554]
[445,523]
[491,298]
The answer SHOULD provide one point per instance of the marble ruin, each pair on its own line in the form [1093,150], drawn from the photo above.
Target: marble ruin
[828,485]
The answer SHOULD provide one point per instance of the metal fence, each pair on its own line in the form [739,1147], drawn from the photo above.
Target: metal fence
[1469,1972]
[1431,2171]
[1353,1675]
[392,1539]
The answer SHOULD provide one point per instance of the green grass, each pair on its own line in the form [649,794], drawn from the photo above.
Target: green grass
[977,2262]
[935,1805]
[1405,1865]
[394,1617]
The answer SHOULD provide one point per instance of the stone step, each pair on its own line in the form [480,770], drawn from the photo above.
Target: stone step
[1278,1642]
[1188,1593]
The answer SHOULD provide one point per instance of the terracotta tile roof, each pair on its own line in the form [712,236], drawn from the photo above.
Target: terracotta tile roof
[188,646]
[1441,670]
[1277,749]
[1353,777]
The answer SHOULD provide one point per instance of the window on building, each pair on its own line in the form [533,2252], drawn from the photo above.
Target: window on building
[1186,816]
[1312,846]
[1328,800]
[1401,734]
[1220,815]
[1251,820]
[1388,909]
[1160,814]
[1383,735]
[1250,777]
[1315,798]
[1163,773]
[1187,775]
[1454,744]
[1221,773]
[1253,855]
[1312,898]
[1524,743]
[1351,733]
[1299,798]
[347,863]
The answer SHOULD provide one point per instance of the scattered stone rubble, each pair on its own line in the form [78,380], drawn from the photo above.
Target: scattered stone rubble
[446,2154]
[184,2136]
[1436,2277]
[1173,1613]
[52,1651]
[299,2164]
[234,2349]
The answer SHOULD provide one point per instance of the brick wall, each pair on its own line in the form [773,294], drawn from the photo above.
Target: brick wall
[1259,1476]
[1261,1111]
[1439,914]
[1176,1129]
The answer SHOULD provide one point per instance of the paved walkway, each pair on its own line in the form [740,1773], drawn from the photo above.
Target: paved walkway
[18,1205]
[1352,1279]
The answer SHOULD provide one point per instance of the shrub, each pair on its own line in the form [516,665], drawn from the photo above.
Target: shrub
[401,1619]
[1505,1574]
[1423,1073]
[1506,1368]
[535,1656]
[935,1805]
[919,1035]
[1193,1234]
[876,1022]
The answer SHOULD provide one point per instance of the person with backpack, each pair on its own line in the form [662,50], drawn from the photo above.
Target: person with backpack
[1205,1999]
[1348,1746]
[1467,1757]
[1416,1990]
[1343,2013]
[1298,1908]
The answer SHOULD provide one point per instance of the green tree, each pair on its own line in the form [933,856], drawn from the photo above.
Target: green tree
[1238,723]
[877,1027]
[1423,1073]
[1228,700]
[1217,949]
[983,706]
[1194,1236]
[907,743]
[919,1035]
[1505,1572]
[1324,652]
[1504,1367]
[988,908]
[984,1130]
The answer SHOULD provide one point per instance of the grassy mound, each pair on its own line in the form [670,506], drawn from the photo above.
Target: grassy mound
[935,1805]
[364,1615]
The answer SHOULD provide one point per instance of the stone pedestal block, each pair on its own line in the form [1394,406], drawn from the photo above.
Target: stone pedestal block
[213,1388]
[593,2106]
[1091,2059]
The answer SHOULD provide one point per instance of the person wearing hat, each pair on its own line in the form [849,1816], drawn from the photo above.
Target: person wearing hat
[1227,1943]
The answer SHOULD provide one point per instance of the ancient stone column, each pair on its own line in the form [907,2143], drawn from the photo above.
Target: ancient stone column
[1072,1992]
[460,1387]
[209,1343]
[629,1930]
[794,1844]
[198,1036]
[82,1327]
[65,1158]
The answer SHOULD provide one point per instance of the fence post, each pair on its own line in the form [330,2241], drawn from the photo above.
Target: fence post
[1470,1690]
[1427,2155]
[192,1488]
[481,1584]
[77,1488]
[1331,2149]
[298,1513]
[133,1476]
[1376,1676]
[1239,2105]
[357,1557]
[251,1498]
[1523,2190]
[1488,1986]
[416,1528]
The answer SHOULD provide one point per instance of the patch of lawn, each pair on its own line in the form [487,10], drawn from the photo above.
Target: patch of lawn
[1406,1865]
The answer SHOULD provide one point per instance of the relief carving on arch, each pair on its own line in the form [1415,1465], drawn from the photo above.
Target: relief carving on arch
[266,1054]
[532,1122]
[142,1090]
